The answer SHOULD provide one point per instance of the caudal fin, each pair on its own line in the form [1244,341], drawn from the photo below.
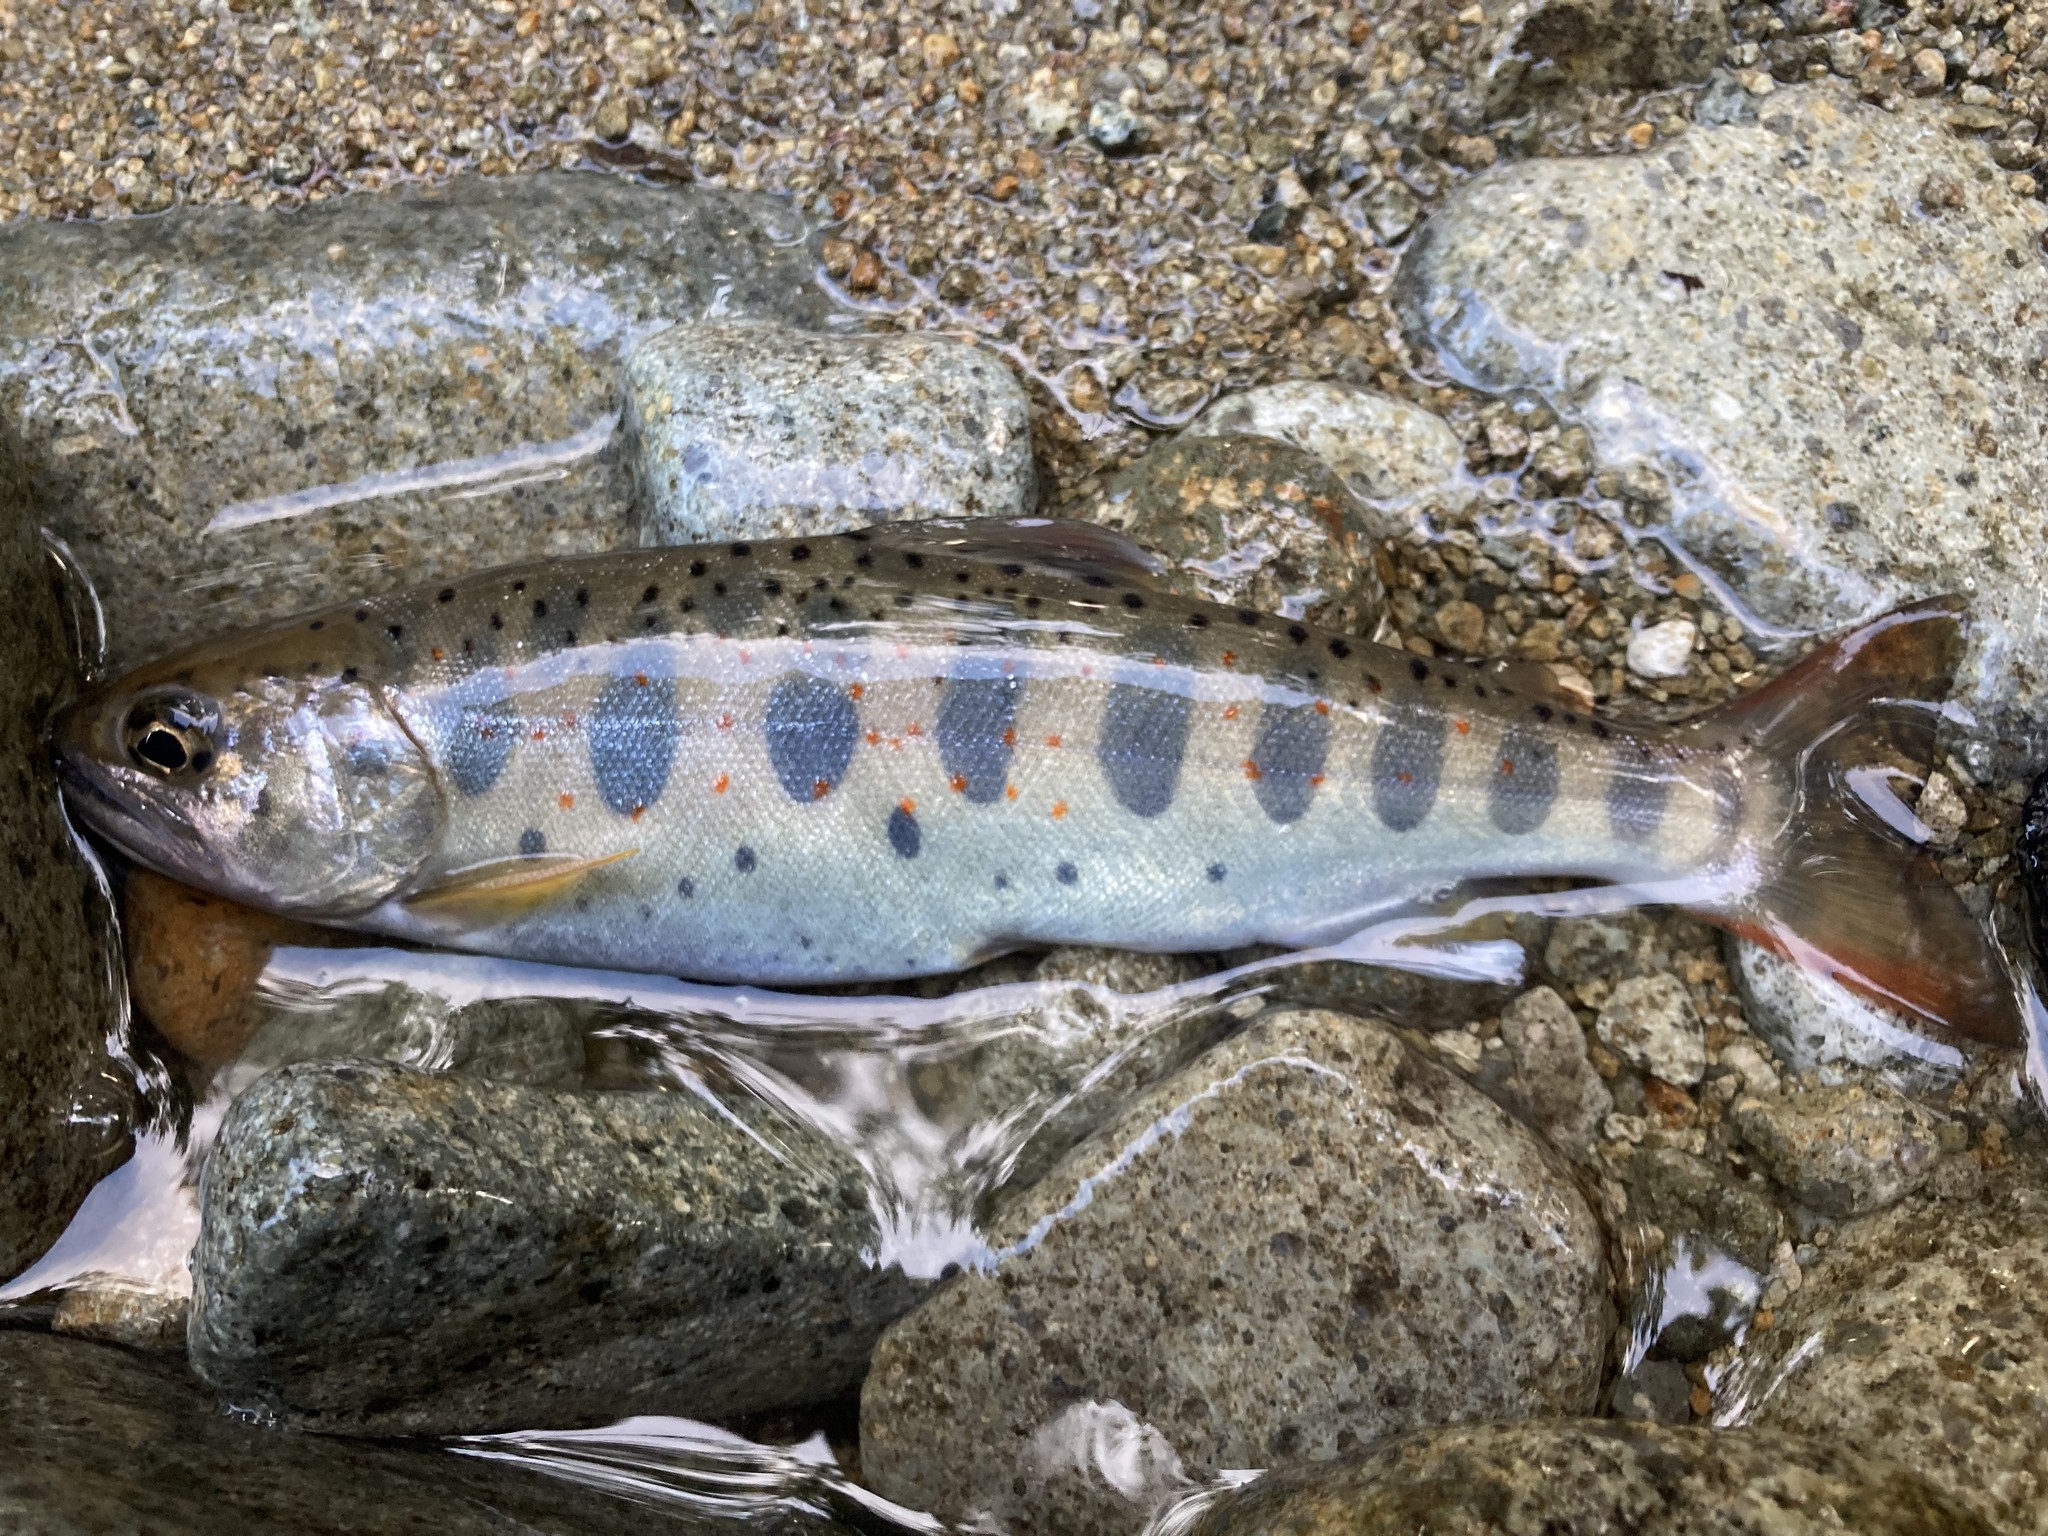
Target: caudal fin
[1844,895]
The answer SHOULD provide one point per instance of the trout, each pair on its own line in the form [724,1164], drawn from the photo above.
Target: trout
[898,751]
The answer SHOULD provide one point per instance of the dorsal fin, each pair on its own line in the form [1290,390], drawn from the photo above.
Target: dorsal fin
[499,890]
[1049,545]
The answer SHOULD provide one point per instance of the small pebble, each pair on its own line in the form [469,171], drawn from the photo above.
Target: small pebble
[1650,1021]
[1662,650]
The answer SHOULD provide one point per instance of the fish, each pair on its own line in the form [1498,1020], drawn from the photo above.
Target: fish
[896,751]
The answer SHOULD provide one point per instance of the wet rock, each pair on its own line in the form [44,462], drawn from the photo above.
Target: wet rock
[1650,1021]
[1815,1024]
[1250,521]
[1343,1203]
[116,1311]
[1663,650]
[1655,1392]
[63,1121]
[1916,1335]
[1689,1197]
[1756,309]
[1595,1475]
[1545,47]
[239,414]
[756,430]
[101,1442]
[1566,1097]
[1384,449]
[392,1251]
[1842,1151]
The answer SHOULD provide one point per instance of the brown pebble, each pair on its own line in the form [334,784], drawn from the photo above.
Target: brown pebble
[866,274]
[1004,188]
[1701,1401]
[1462,626]
[193,962]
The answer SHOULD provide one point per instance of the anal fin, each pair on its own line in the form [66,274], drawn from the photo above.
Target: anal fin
[500,890]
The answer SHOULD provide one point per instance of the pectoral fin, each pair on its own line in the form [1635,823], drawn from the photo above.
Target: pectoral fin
[485,895]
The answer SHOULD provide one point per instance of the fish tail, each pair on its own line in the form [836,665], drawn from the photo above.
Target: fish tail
[1841,893]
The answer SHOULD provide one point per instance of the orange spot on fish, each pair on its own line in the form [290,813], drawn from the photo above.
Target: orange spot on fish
[1405,778]
[907,806]
[640,679]
[487,731]
[1316,779]
[1507,766]
[821,788]
[540,733]
[902,651]
[1010,737]
[856,691]
[914,729]
[745,657]
[1464,727]
[1322,706]
[1086,670]
[639,811]
[1251,770]
[1059,809]
[566,801]
[958,783]
[874,738]
[1052,741]
[725,722]
[439,654]
[721,784]
[1230,658]
[1230,711]
[1010,791]
[1158,661]
[569,722]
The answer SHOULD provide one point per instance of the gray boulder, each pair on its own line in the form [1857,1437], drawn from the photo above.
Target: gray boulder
[236,415]
[1836,377]
[1309,1238]
[760,431]
[395,1252]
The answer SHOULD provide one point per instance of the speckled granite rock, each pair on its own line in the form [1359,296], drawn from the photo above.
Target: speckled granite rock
[1391,1247]
[1591,1477]
[104,1443]
[1814,1023]
[63,1121]
[391,1251]
[1846,404]
[1567,1100]
[119,1312]
[1384,449]
[1917,1335]
[1843,1151]
[1651,1022]
[1251,521]
[756,430]
[424,350]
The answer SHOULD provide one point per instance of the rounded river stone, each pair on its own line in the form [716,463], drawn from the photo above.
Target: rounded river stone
[1310,1238]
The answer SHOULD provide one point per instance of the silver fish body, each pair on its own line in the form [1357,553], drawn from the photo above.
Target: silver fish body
[890,753]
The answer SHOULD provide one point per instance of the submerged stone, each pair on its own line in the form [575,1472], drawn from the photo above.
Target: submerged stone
[1253,522]
[1309,1238]
[1595,1475]
[1839,386]
[389,1251]
[759,431]
[63,1119]
[235,415]
[1842,1151]
[1916,1335]
[101,1442]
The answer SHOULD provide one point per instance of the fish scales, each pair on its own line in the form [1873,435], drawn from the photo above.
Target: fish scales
[847,758]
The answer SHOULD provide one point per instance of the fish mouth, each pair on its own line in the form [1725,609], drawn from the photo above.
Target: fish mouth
[160,837]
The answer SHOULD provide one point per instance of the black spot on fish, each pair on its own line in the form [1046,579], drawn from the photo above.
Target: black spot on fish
[914,560]
[772,587]
[1419,670]
[317,624]
[741,551]
[1340,649]
[1198,621]
[1544,712]
[976,731]
[811,727]
[1248,617]
[445,595]
[904,599]
[718,589]
[497,621]
[540,607]
[1599,730]
[650,594]
[1288,759]
[349,674]
[583,597]
[799,551]
[633,730]
[744,860]
[1216,874]
[1002,882]
[1132,600]
[697,567]
[518,586]
[686,888]
[1524,783]
[1297,633]
[362,614]
[395,631]
[533,841]
[1407,764]
[904,835]
[1066,874]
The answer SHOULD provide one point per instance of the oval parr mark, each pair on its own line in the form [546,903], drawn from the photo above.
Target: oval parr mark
[1143,739]
[1524,784]
[904,835]
[976,731]
[533,841]
[1407,765]
[811,728]
[633,730]
[1637,797]
[476,743]
[1293,743]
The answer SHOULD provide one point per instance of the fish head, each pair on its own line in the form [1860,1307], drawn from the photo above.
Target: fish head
[293,794]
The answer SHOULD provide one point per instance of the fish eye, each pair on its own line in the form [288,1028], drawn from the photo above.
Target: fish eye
[170,736]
